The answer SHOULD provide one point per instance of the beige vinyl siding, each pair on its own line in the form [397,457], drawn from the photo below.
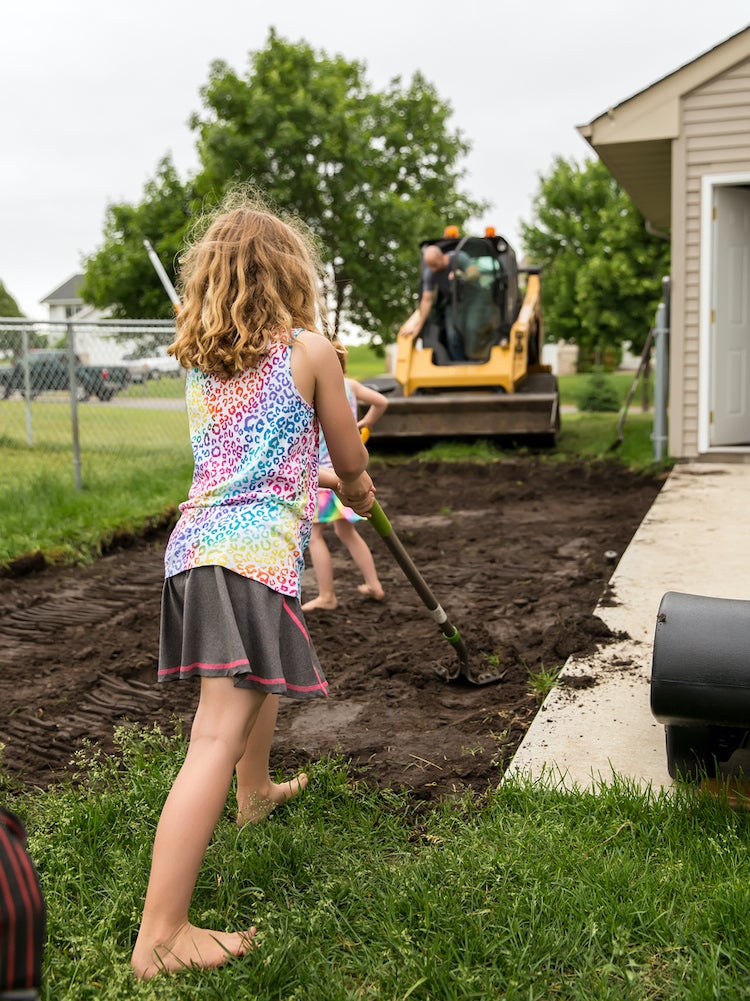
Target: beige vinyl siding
[715,139]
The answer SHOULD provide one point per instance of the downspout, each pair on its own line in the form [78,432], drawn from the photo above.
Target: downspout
[661,341]
[661,385]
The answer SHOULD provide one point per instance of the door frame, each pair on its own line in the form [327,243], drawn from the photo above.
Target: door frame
[708,251]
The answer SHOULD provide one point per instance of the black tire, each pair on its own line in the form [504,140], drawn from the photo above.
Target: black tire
[690,753]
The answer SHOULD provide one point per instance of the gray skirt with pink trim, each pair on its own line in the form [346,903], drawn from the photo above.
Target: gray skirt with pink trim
[217,624]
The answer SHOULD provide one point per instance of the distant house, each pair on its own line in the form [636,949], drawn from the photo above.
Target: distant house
[65,303]
[681,150]
[94,345]
[100,340]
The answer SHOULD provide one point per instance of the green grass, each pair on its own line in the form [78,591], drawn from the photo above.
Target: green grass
[573,387]
[136,468]
[526,893]
[363,361]
[43,513]
[166,388]
[595,436]
[545,679]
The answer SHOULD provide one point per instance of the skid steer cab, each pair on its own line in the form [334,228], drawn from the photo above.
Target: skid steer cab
[475,293]
[475,367]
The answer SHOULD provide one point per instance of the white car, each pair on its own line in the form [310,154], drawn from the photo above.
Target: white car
[155,367]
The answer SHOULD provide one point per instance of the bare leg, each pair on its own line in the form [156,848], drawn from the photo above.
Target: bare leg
[166,939]
[257,795]
[360,553]
[323,567]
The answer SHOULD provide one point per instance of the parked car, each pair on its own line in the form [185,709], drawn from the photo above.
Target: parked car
[5,377]
[49,371]
[153,367]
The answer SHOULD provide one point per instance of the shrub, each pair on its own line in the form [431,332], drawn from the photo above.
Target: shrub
[599,395]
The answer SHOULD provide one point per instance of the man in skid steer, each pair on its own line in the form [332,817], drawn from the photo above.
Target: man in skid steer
[440,272]
[437,279]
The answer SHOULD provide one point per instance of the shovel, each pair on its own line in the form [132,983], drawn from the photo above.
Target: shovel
[383,527]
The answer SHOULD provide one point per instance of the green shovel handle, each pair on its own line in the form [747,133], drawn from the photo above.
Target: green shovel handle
[383,527]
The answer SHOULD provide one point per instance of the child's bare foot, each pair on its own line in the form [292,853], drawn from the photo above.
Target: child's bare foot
[327,603]
[188,948]
[373,593]
[255,806]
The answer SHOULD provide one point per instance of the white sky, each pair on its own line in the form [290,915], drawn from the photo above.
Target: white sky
[93,93]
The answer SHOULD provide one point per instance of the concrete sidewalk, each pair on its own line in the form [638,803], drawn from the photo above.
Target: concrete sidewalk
[695,539]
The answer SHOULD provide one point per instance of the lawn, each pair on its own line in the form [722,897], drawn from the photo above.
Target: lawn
[527,893]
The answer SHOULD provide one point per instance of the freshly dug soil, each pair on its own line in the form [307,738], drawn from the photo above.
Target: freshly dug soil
[517,553]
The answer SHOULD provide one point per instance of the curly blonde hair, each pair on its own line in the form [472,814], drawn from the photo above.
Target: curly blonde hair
[247,278]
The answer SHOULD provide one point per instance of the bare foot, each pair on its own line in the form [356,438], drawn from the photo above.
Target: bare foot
[373,593]
[187,949]
[256,806]
[320,602]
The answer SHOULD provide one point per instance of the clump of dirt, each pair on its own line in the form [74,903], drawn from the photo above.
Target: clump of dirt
[518,554]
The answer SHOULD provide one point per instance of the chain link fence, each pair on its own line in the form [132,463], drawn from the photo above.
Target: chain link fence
[77,396]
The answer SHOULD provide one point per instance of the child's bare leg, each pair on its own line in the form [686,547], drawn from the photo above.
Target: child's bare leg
[166,939]
[323,567]
[257,795]
[360,553]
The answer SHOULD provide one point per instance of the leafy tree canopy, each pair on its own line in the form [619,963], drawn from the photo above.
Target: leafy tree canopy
[602,271]
[372,173]
[120,276]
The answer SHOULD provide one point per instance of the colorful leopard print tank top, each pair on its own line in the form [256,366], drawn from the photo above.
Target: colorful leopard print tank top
[255,452]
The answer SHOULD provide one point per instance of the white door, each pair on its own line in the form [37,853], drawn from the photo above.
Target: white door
[730,340]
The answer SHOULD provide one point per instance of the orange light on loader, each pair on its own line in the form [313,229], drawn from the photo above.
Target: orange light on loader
[489,231]
[451,233]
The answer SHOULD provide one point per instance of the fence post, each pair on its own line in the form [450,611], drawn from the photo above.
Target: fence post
[73,383]
[27,386]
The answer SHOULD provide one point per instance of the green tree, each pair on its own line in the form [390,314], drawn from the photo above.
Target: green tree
[8,305]
[602,271]
[371,172]
[10,340]
[119,276]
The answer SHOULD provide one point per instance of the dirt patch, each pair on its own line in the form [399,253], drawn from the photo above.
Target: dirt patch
[518,554]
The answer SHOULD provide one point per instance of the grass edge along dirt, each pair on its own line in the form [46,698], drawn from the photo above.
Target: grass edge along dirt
[528,891]
[45,519]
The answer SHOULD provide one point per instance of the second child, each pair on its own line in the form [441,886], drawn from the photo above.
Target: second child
[330,510]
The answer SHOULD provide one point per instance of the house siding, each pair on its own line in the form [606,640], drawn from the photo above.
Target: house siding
[715,139]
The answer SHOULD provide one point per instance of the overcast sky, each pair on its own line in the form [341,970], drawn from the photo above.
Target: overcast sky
[93,93]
